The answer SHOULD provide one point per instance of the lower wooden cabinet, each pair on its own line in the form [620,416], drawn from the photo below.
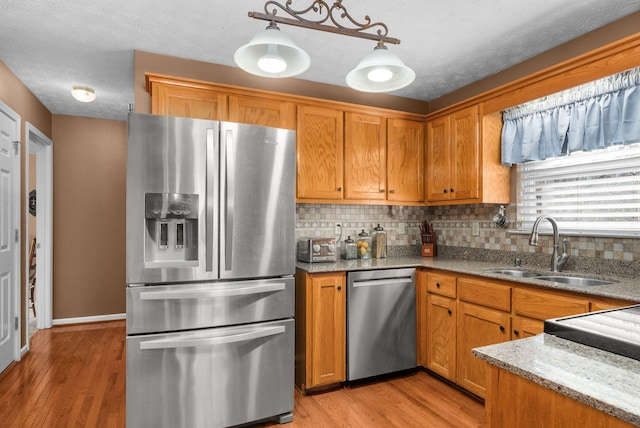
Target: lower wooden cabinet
[441,335]
[320,329]
[513,401]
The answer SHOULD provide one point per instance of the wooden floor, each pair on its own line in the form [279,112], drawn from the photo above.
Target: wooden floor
[74,376]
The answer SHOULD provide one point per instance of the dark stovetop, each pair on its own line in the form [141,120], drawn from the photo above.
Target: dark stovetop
[614,330]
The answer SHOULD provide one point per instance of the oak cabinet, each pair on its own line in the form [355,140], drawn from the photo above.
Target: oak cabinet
[484,318]
[185,101]
[405,160]
[320,329]
[463,159]
[319,153]
[262,111]
[365,154]
[441,324]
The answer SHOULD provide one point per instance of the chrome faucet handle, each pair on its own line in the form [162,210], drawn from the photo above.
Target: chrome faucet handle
[564,257]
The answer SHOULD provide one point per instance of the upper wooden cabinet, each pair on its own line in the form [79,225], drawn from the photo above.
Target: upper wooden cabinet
[365,154]
[319,156]
[176,97]
[183,101]
[405,160]
[463,159]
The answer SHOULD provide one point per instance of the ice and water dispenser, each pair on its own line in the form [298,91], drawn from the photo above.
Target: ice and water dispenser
[171,237]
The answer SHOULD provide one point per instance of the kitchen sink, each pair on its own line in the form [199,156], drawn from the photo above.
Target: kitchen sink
[573,280]
[516,272]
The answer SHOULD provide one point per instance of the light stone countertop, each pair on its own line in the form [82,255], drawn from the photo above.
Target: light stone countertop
[600,379]
[622,288]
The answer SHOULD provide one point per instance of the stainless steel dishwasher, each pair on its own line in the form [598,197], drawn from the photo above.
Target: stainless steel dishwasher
[381,322]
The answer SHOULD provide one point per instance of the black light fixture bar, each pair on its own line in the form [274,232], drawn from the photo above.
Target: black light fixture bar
[298,20]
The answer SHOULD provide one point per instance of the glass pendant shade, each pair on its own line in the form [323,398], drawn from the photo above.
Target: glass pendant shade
[272,54]
[380,71]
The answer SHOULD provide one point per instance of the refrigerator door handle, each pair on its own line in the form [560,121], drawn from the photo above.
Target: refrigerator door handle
[229,200]
[390,281]
[212,341]
[211,220]
[204,293]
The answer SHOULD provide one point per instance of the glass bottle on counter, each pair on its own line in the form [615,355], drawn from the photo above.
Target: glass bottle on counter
[349,249]
[379,242]
[364,245]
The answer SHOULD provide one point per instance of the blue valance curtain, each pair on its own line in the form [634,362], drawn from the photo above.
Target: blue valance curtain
[591,116]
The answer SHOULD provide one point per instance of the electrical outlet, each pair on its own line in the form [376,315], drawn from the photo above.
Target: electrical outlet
[337,229]
[475,229]
[401,228]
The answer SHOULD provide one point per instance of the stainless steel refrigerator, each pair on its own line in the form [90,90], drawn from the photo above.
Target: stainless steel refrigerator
[210,264]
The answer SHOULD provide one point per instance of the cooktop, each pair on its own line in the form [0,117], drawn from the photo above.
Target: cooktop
[613,330]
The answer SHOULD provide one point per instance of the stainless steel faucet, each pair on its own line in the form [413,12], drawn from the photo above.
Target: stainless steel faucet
[556,262]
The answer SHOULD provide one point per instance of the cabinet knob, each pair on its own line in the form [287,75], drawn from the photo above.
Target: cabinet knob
[392,191]
[451,190]
[501,328]
[339,189]
[444,190]
[339,287]
[381,190]
[516,332]
[449,311]
[437,285]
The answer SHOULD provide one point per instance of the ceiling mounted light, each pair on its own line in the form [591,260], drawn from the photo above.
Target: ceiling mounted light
[84,94]
[380,71]
[271,54]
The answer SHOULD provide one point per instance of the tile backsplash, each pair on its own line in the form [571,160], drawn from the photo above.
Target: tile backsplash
[454,227]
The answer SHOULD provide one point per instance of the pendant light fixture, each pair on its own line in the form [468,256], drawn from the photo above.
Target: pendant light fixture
[272,54]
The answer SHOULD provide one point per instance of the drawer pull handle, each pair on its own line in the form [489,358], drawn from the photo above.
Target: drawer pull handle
[501,328]
[516,332]
[449,311]
[195,342]
[437,285]
[186,293]
[339,189]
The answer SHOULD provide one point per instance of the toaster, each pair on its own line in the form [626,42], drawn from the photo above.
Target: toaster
[312,250]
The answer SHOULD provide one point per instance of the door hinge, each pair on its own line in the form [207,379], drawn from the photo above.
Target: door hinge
[17,236]
[16,147]
[17,323]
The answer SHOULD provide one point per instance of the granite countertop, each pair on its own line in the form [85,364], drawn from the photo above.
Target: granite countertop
[600,379]
[622,288]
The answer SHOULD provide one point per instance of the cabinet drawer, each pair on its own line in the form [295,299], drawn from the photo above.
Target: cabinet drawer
[442,284]
[541,305]
[485,294]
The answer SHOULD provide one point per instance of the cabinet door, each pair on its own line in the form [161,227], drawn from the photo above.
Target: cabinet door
[365,156]
[465,154]
[262,111]
[197,103]
[421,317]
[328,330]
[438,159]
[319,150]
[523,327]
[478,326]
[405,160]
[441,335]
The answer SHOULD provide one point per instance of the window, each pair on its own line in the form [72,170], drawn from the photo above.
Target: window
[595,193]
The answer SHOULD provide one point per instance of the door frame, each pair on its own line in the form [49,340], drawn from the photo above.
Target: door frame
[42,146]
[13,115]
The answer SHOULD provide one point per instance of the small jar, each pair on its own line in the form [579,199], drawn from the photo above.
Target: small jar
[379,242]
[364,245]
[349,249]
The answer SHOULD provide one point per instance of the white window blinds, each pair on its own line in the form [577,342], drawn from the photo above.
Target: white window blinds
[589,192]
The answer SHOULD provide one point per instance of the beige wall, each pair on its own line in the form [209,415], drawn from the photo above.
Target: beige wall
[89,176]
[146,62]
[14,94]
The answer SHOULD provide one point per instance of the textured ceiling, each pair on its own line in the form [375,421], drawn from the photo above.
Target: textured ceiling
[52,45]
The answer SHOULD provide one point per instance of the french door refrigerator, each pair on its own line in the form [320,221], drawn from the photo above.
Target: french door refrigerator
[210,264]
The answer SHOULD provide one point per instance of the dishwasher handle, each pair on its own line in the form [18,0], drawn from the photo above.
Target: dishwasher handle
[389,281]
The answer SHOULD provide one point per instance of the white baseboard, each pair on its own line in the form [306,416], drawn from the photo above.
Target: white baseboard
[96,318]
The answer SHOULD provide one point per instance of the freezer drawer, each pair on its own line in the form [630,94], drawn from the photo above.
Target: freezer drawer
[166,308]
[210,378]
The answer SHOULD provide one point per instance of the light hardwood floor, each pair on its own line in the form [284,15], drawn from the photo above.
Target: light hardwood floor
[74,376]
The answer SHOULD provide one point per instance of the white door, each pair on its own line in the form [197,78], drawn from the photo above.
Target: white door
[9,239]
